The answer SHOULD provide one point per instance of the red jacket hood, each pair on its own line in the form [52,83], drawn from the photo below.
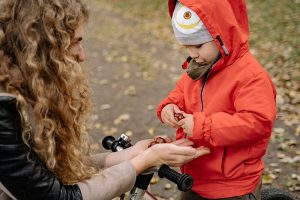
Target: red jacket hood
[227,22]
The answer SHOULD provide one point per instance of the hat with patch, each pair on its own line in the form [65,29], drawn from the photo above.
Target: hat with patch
[188,27]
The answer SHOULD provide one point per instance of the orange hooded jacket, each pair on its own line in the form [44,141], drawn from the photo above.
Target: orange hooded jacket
[233,108]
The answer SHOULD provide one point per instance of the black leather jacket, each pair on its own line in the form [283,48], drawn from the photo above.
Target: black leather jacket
[25,178]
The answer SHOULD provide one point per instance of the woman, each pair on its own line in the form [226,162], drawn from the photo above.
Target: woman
[44,106]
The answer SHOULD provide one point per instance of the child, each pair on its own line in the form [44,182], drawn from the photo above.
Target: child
[226,98]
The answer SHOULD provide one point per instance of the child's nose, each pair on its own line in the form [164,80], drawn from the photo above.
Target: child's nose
[192,52]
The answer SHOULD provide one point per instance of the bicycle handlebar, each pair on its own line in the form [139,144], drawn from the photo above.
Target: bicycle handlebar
[110,143]
[184,182]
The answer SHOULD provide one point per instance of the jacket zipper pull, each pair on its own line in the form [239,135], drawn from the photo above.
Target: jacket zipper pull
[223,46]
[186,63]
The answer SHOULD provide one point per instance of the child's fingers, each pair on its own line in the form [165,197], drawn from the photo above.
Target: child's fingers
[184,120]
[187,115]
[172,119]
[169,122]
[181,122]
[165,117]
[168,116]
[177,110]
[174,122]
[184,128]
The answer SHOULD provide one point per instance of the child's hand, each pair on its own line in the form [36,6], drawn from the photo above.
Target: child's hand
[167,115]
[187,124]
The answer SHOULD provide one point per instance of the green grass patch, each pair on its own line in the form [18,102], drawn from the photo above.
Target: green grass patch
[271,21]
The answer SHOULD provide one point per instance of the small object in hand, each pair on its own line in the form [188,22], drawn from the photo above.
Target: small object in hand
[157,140]
[178,116]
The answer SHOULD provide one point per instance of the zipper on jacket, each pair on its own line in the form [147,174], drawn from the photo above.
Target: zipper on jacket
[202,89]
[204,80]
[222,45]
[189,58]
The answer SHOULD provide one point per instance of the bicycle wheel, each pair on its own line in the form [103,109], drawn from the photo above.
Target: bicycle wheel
[275,194]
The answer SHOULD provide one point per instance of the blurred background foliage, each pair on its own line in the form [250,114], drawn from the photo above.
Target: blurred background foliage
[274,40]
[139,60]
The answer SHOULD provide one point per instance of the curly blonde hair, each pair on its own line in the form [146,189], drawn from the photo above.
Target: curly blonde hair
[37,66]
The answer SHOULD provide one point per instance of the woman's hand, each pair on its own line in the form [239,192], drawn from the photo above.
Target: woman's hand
[140,147]
[174,155]
[167,115]
[127,154]
[133,151]
[167,153]
[184,142]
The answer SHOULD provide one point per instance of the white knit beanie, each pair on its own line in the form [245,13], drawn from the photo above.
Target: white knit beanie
[187,26]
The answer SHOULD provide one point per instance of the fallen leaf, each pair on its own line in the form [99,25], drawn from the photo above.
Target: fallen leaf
[151,131]
[130,91]
[154,180]
[97,125]
[280,155]
[109,131]
[267,179]
[273,164]
[290,160]
[168,186]
[121,118]
[103,82]
[129,133]
[150,107]
[278,171]
[105,106]
[126,75]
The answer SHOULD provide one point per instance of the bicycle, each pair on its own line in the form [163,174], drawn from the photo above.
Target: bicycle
[184,182]
[275,194]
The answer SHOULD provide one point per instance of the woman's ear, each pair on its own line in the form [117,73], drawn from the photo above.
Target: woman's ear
[1,88]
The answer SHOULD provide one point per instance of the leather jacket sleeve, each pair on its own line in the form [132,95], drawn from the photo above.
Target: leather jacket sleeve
[21,172]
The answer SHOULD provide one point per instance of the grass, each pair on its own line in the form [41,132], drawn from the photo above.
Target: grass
[274,25]
[274,39]
[277,23]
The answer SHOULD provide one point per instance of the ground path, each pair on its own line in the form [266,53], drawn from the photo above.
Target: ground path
[130,71]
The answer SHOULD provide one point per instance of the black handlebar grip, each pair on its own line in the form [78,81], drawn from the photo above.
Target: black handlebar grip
[107,142]
[184,181]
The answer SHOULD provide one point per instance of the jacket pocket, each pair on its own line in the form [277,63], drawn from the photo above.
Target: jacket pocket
[233,165]
[207,167]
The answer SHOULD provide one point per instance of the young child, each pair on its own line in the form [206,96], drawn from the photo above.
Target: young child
[225,96]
